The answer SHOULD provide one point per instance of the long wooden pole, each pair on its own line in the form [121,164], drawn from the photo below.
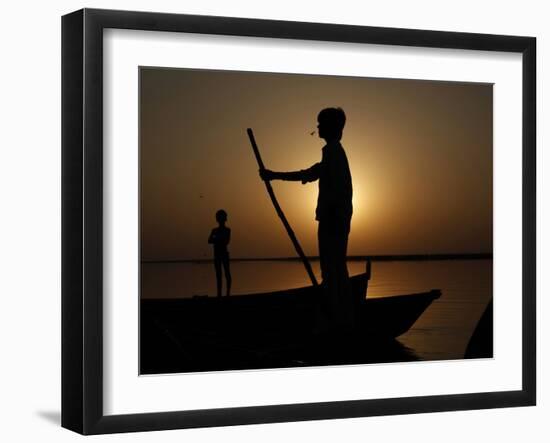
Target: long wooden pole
[280,212]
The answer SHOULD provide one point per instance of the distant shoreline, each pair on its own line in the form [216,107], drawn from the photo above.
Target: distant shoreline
[403,257]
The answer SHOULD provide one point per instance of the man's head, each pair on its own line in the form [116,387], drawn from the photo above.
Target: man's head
[331,122]
[221,216]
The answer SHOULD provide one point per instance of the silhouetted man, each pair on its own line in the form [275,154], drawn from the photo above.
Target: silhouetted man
[219,237]
[334,211]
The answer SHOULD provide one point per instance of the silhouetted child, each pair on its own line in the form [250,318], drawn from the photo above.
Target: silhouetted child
[334,212]
[219,237]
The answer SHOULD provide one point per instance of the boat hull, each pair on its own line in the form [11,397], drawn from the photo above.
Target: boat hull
[277,329]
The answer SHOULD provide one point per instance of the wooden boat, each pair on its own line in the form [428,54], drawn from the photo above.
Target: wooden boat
[277,329]
[274,329]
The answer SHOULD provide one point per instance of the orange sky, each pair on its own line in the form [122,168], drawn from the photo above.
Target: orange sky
[420,154]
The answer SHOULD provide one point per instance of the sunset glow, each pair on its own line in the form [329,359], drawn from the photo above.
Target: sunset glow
[420,155]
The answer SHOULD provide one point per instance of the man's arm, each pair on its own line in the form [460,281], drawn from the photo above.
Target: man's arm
[303,175]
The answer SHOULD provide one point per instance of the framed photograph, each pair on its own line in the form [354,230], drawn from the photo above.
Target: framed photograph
[269,221]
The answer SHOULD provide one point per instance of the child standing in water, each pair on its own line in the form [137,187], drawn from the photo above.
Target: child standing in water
[219,237]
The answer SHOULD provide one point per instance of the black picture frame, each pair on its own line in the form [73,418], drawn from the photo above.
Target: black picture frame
[82,219]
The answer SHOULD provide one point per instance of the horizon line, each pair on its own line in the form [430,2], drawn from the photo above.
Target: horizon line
[382,257]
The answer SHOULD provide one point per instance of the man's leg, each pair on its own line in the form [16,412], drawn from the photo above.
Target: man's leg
[218,267]
[333,239]
[347,304]
[323,240]
[328,262]
[227,273]
[325,309]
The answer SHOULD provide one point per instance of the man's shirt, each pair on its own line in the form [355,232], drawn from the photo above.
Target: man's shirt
[335,187]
